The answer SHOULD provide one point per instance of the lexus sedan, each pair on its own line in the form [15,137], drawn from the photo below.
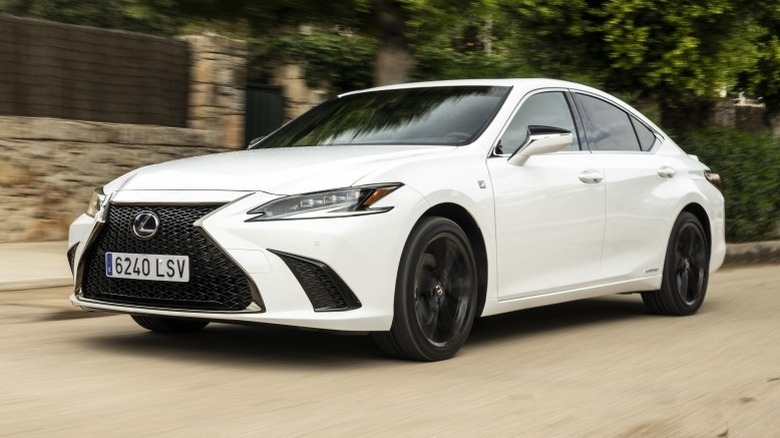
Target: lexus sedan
[406,212]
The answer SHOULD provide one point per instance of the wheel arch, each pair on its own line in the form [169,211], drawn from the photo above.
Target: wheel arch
[468,224]
[701,214]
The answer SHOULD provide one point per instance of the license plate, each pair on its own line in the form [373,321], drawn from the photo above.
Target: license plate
[155,267]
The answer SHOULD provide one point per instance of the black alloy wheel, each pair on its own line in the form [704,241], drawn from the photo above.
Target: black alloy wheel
[436,293]
[686,270]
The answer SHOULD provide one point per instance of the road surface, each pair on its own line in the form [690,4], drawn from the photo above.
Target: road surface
[595,368]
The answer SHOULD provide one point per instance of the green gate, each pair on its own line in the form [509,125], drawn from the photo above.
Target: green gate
[264,110]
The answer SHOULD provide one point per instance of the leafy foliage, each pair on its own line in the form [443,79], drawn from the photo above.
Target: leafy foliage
[557,37]
[112,14]
[764,79]
[748,165]
[337,57]
[680,49]
[513,38]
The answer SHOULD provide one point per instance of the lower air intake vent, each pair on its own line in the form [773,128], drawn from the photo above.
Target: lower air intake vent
[325,289]
[72,257]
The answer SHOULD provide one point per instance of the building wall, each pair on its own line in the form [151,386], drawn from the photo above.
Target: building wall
[50,166]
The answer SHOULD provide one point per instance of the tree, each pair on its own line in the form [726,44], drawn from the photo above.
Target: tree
[763,81]
[395,24]
[385,19]
[394,60]
[683,51]
[558,38]
[111,14]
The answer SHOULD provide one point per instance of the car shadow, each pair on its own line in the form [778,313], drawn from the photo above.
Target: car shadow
[246,346]
[564,316]
[265,345]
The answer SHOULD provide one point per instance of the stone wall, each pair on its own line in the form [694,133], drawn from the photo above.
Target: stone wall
[746,116]
[48,171]
[49,167]
[298,96]
[217,78]
[774,125]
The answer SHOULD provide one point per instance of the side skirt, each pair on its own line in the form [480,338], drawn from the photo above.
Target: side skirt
[556,297]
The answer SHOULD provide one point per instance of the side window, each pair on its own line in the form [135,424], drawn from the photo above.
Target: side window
[645,135]
[607,127]
[546,109]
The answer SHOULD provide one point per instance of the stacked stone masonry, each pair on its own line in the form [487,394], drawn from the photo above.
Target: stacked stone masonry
[49,167]
[298,96]
[217,78]
[745,116]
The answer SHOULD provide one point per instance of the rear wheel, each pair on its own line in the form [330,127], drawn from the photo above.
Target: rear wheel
[686,270]
[436,294]
[162,324]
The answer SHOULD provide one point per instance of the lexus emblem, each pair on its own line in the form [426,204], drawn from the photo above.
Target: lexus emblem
[145,225]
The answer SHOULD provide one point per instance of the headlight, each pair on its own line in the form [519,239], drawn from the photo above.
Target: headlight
[350,201]
[96,202]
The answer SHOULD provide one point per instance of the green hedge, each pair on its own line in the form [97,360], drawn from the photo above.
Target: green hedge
[749,165]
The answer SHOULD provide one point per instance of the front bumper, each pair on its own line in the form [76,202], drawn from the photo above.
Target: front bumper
[360,253]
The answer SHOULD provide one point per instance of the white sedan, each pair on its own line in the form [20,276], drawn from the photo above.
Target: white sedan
[407,211]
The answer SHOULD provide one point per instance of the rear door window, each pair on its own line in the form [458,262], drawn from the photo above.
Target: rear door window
[646,136]
[607,127]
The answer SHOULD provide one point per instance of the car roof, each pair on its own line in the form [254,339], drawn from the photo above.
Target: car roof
[521,83]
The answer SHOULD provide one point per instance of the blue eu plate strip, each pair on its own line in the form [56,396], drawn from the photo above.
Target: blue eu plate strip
[109,265]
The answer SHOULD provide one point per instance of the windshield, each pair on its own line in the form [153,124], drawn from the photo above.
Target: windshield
[412,116]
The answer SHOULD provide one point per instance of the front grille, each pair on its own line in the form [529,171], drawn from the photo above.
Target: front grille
[325,289]
[216,283]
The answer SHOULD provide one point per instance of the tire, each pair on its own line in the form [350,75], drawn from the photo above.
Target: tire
[686,270]
[161,324]
[435,294]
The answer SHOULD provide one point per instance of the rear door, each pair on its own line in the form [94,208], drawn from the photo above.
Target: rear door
[642,189]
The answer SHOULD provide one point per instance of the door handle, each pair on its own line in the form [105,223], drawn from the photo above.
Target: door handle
[666,171]
[591,176]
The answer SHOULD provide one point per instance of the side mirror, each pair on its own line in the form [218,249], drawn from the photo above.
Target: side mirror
[255,142]
[541,140]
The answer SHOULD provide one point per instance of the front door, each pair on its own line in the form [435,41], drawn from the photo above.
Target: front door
[550,212]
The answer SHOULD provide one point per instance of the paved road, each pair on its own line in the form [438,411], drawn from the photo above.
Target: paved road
[596,368]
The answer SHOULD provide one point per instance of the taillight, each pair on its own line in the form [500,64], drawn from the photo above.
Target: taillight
[713,178]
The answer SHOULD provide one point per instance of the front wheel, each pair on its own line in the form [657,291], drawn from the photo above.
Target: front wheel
[436,294]
[686,270]
[162,324]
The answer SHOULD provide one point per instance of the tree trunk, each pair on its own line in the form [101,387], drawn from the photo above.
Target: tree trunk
[394,60]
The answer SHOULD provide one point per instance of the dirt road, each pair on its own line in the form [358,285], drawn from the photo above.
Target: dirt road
[596,368]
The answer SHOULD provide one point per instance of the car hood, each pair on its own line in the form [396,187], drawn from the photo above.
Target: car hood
[278,171]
